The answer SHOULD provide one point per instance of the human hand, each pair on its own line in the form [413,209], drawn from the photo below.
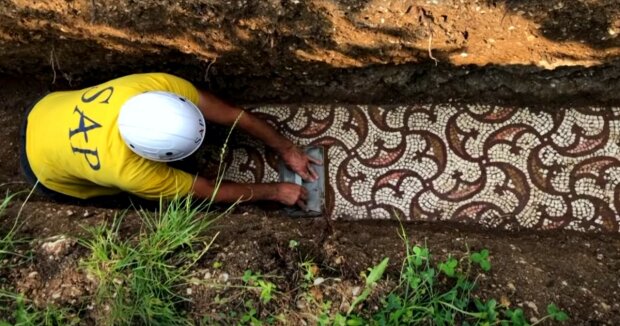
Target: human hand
[299,162]
[290,194]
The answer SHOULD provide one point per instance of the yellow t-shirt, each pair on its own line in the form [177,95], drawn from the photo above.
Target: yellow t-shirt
[74,146]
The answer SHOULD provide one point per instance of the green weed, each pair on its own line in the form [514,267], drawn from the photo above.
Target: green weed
[25,314]
[140,279]
[371,280]
[424,296]
[7,241]
[431,295]
[249,311]
[266,287]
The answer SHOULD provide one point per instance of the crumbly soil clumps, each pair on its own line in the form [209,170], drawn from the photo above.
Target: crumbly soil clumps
[577,272]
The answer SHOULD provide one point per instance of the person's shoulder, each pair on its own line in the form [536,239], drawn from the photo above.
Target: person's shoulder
[152,75]
[145,76]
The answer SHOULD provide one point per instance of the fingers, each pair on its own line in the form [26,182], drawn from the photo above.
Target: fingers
[308,172]
[303,198]
[304,175]
[314,160]
[313,174]
[302,204]
[303,194]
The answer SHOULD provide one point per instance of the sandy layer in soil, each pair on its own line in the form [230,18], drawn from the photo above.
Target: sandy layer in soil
[327,50]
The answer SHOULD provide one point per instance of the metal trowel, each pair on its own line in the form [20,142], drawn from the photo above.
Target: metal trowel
[315,205]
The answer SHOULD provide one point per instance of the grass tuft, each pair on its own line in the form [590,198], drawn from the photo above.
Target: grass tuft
[24,313]
[7,241]
[140,279]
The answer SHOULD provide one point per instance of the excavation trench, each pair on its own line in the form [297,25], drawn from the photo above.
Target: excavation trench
[509,141]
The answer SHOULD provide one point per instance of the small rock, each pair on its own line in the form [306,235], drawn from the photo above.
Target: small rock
[33,274]
[511,286]
[533,320]
[318,281]
[189,291]
[56,295]
[57,246]
[70,212]
[223,277]
[564,283]
[207,275]
[532,306]
[599,256]
[355,291]
[605,306]
[504,301]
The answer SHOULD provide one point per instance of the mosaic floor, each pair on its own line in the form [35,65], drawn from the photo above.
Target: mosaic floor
[498,166]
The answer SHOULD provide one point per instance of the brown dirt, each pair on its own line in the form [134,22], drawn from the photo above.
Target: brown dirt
[577,272]
[325,51]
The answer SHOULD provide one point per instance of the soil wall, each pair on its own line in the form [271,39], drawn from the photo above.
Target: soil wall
[366,51]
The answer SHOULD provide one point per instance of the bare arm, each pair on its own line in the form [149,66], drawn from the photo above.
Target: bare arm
[228,192]
[220,112]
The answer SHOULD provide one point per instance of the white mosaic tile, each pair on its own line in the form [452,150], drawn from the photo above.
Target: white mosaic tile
[503,167]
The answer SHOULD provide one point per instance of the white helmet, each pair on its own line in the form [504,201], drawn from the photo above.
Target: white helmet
[161,126]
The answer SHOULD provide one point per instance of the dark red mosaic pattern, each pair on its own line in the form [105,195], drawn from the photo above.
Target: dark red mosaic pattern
[498,166]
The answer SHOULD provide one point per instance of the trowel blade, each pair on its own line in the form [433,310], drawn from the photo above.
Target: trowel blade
[315,205]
